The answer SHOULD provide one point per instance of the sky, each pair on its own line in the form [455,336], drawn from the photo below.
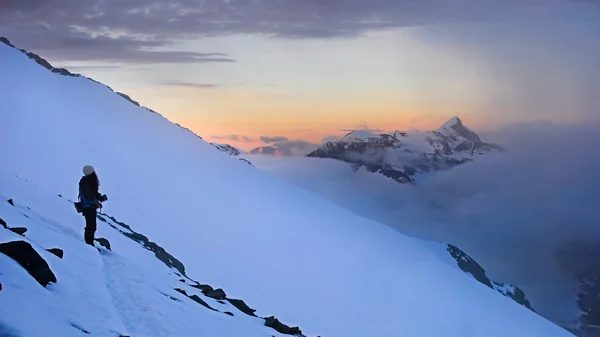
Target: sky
[254,73]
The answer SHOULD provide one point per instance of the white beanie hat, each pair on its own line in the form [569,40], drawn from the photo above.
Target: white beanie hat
[88,169]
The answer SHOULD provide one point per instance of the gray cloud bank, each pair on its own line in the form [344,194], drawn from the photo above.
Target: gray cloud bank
[140,30]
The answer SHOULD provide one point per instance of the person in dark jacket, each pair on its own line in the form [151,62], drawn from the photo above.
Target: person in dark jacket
[91,201]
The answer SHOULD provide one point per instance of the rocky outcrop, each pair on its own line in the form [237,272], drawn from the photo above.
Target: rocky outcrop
[217,294]
[158,251]
[128,98]
[56,251]
[11,202]
[469,265]
[243,307]
[28,258]
[3,223]
[18,230]
[230,150]
[274,323]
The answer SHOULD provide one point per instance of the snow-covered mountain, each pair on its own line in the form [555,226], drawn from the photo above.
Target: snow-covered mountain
[401,155]
[181,262]
[232,151]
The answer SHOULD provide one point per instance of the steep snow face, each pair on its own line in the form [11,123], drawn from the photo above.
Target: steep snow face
[126,292]
[306,261]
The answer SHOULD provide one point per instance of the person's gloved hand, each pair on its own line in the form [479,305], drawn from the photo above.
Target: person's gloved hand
[99,205]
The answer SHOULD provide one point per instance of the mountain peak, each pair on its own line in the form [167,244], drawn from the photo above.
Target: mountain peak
[454,121]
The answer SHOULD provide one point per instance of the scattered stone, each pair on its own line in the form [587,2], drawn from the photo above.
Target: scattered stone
[243,307]
[197,299]
[203,287]
[217,294]
[56,251]
[80,328]
[10,201]
[274,323]
[28,258]
[0,285]
[220,301]
[181,280]
[228,313]
[3,223]
[60,195]
[158,251]
[18,230]
[104,243]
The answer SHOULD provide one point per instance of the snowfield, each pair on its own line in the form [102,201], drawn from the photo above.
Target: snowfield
[283,250]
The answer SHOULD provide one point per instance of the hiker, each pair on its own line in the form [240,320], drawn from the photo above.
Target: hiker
[90,200]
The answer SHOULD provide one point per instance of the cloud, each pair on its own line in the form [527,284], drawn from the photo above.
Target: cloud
[287,147]
[275,139]
[131,29]
[190,84]
[521,213]
[234,137]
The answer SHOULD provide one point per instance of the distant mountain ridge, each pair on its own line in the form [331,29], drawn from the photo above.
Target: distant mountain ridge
[401,155]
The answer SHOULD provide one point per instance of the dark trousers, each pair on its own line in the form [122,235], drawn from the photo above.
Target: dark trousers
[90,225]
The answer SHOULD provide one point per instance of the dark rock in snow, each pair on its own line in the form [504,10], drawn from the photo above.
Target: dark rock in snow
[128,98]
[242,306]
[18,230]
[10,201]
[274,323]
[0,285]
[181,291]
[3,223]
[28,258]
[228,313]
[181,280]
[203,287]
[158,251]
[217,294]
[220,301]
[197,299]
[103,242]
[6,41]
[80,328]
[60,195]
[56,251]
[469,265]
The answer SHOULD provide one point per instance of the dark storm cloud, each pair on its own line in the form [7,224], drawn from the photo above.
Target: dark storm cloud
[234,137]
[125,30]
[275,139]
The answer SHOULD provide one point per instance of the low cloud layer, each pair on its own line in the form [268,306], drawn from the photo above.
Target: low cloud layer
[275,139]
[234,137]
[516,213]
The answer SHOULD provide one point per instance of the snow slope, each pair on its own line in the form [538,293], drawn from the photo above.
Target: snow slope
[305,260]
